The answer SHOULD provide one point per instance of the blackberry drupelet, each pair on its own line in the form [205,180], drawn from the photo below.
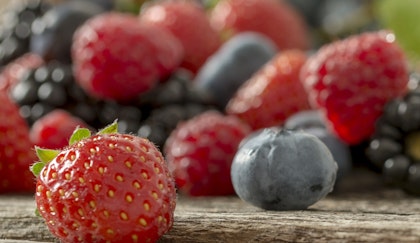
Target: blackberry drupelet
[395,146]
[15,28]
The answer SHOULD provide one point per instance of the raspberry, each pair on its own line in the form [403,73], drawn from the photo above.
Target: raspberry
[273,93]
[351,80]
[117,57]
[275,19]
[189,23]
[53,130]
[199,152]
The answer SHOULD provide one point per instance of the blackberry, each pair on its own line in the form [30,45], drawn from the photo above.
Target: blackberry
[395,146]
[176,89]
[15,29]
[52,86]
[161,122]
[175,99]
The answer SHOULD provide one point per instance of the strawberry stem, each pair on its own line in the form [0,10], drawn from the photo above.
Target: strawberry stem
[46,155]
[79,134]
[111,128]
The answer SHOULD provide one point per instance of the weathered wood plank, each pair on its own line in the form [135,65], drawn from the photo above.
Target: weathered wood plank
[364,212]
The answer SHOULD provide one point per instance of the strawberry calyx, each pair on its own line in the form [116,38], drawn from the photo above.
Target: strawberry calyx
[46,155]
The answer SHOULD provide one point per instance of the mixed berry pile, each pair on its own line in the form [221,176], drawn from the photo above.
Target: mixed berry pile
[272,100]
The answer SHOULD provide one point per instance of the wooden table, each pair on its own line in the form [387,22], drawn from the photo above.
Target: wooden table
[360,210]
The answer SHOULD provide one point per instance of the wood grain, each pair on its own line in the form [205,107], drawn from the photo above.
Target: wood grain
[364,212]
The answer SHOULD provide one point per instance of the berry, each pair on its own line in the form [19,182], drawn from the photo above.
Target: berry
[111,62]
[188,22]
[50,86]
[393,148]
[273,93]
[16,153]
[312,122]
[283,170]
[108,187]
[275,19]
[199,152]
[158,126]
[53,31]
[15,33]
[234,63]
[15,70]
[343,79]
[309,10]
[53,129]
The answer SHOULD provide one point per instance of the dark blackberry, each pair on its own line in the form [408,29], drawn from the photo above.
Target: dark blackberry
[174,100]
[49,87]
[161,122]
[177,89]
[395,146]
[129,116]
[15,29]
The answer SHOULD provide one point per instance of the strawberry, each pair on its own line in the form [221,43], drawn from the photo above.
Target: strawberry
[273,93]
[273,18]
[200,151]
[12,72]
[352,79]
[106,187]
[16,153]
[117,57]
[53,129]
[187,21]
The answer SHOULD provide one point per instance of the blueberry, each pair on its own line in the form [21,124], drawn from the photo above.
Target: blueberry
[53,32]
[234,63]
[308,9]
[313,122]
[279,169]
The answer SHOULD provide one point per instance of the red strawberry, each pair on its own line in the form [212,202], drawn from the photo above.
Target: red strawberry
[109,187]
[117,57]
[54,129]
[200,153]
[16,150]
[352,79]
[188,22]
[13,71]
[273,93]
[274,18]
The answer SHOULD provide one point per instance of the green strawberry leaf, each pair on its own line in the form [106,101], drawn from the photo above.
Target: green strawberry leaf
[79,134]
[111,128]
[46,155]
[37,167]
[37,213]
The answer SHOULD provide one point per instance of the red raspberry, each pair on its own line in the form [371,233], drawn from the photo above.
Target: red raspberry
[273,18]
[54,129]
[117,57]
[16,149]
[273,93]
[12,72]
[200,152]
[187,21]
[352,79]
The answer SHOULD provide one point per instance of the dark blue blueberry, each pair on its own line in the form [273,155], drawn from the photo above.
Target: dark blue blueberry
[53,32]
[278,169]
[234,63]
